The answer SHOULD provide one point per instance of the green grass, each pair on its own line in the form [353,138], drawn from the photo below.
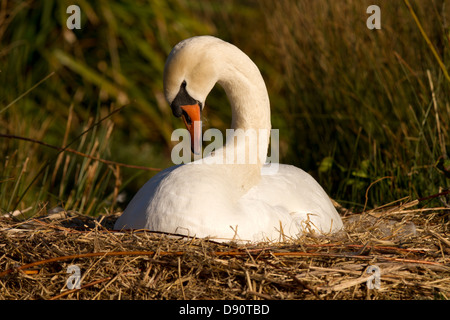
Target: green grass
[367,112]
[365,95]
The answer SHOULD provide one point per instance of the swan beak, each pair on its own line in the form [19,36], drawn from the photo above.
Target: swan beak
[191,118]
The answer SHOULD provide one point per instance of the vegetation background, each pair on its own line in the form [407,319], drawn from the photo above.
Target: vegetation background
[366,112]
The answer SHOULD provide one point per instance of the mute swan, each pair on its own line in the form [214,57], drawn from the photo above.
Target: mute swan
[242,202]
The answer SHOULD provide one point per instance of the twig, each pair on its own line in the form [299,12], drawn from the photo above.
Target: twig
[179,278]
[89,255]
[411,203]
[303,284]
[346,284]
[106,286]
[370,186]
[93,283]
[441,238]
[260,295]
[11,136]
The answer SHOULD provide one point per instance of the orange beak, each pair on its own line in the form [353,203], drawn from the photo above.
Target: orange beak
[191,118]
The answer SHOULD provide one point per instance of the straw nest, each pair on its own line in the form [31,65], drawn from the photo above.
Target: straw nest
[409,247]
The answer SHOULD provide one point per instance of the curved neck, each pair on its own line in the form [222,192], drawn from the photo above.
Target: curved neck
[247,93]
[245,89]
[249,105]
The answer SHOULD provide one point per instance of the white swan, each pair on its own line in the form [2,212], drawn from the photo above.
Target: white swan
[240,202]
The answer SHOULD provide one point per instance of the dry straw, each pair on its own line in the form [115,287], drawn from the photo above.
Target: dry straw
[410,247]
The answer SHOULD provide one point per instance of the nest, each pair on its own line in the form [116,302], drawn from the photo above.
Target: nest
[390,253]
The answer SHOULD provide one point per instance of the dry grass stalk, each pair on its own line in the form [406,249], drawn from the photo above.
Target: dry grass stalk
[411,253]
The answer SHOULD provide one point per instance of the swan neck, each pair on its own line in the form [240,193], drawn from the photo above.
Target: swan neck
[250,106]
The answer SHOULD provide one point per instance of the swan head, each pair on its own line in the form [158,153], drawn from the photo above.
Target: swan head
[192,69]
[190,73]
